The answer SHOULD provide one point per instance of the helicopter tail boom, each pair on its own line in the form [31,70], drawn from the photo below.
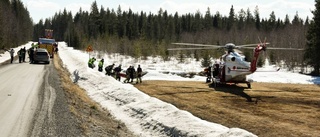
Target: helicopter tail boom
[256,51]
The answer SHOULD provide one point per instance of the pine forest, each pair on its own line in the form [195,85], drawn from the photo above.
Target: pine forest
[142,34]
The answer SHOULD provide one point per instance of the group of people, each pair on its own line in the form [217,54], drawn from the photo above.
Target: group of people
[131,72]
[111,70]
[21,54]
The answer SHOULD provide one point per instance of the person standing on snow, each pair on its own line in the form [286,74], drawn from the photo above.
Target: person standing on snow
[127,75]
[132,73]
[100,65]
[117,71]
[139,74]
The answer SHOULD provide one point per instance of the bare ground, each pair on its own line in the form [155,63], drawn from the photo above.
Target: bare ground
[268,109]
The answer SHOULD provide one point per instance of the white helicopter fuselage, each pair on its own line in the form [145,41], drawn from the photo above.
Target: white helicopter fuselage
[235,67]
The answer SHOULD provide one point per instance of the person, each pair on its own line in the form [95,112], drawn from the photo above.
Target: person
[127,75]
[20,55]
[11,54]
[117,71]
[139,74]
[31,53]
[55,47]
[108,69]
[24,54]
[132,73]
[100,65]
[91,62]
[215,70]
[208,74]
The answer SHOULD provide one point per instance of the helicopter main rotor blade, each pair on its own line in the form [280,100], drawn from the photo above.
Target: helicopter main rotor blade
[274,48]
[249,45]
[193,48]
[284,48]
[194,44]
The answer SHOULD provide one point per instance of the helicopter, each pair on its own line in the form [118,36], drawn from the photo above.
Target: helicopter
[233,67]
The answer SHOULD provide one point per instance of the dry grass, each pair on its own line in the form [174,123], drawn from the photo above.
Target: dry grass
[274,110]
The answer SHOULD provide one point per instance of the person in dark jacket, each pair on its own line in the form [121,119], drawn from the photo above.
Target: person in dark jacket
[127,75]
[132,73]
[20,55]
[24,54]
[139,74]
[108,69]
[11,54]
[117,71]
[208,74]
[31,53]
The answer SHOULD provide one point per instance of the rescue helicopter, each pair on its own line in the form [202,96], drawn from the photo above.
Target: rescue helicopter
[233,67]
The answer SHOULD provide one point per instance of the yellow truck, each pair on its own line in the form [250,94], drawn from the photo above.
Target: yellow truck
[48,43]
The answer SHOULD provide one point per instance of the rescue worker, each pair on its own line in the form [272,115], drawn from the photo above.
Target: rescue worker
[11,54]
[117,71]
[108,69]
[100,65]
[139,74]
[91,62]
[127,75]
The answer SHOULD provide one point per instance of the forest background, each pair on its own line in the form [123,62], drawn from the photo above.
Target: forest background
[143,34]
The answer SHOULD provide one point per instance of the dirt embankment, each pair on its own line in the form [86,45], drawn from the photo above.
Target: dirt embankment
[92,118]
[268,109]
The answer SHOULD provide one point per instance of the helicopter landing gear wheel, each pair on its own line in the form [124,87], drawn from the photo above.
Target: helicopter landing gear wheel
[249,85]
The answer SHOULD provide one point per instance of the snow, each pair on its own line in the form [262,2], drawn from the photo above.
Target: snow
[149,116]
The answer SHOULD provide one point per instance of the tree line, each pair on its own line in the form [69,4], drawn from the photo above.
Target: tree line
[142,34]
[16,25]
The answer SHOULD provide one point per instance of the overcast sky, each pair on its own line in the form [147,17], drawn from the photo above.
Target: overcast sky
[41,9]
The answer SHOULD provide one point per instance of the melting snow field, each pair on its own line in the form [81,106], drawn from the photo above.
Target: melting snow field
[148,116]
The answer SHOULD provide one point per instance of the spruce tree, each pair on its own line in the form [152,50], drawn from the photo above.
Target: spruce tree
[312,55]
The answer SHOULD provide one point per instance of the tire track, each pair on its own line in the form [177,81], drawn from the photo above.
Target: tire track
[44,115]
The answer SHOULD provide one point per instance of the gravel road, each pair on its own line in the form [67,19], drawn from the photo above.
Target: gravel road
[53,117]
